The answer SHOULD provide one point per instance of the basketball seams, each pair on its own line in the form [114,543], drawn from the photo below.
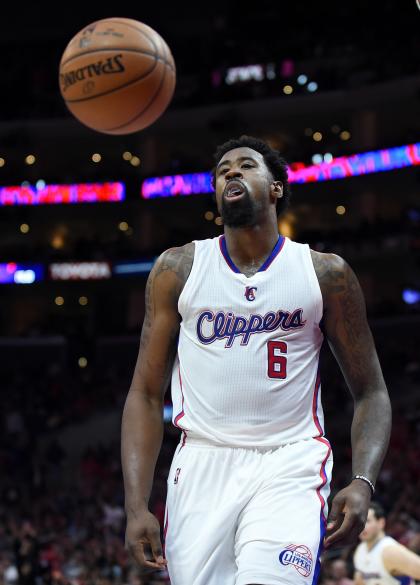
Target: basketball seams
[104,50]
[139,30]
[141,113]
[129,25]
[149,38]
[147,58]
[108,91]
[168,55]
[146,35]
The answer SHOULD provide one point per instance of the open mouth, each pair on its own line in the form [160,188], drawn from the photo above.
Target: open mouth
[234,190]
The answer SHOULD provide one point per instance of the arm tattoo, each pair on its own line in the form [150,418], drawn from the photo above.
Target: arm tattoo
[345,317]
[179,261]
[352,343]
[330,278]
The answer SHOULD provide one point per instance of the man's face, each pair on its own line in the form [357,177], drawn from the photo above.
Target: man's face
[244,187]
[372,528]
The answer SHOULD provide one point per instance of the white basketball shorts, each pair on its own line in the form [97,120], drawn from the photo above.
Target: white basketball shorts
[238,516]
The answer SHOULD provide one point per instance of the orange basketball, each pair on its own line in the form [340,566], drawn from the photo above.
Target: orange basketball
[117,75]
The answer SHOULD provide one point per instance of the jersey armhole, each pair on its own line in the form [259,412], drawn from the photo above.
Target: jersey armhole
[316,286]
[192,271]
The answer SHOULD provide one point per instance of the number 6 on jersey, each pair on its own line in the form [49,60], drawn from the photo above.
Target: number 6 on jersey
[277,363]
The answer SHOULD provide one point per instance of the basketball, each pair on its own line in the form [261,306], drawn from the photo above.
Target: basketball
[117,76]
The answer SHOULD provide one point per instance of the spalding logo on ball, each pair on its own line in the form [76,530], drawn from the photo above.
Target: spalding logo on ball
[117,76]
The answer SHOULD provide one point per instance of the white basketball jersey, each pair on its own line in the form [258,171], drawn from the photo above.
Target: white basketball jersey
[370,565]
[246,370]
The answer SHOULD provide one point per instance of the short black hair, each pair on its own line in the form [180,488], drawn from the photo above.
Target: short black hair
[272,158]
[378,510]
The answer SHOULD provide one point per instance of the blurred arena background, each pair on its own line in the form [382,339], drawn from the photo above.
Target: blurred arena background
[320,82]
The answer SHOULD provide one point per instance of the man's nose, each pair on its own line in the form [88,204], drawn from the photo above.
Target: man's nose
[232,173]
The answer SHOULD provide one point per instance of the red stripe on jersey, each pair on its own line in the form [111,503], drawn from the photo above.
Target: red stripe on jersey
[182,413]
[165,530]
[323,476]
[315,404]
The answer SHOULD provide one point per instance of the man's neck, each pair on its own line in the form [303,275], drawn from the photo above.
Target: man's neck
[250,246]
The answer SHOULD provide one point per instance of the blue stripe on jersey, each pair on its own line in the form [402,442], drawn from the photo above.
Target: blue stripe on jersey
[275,251]
[225,253]
[318,554]
[403,580]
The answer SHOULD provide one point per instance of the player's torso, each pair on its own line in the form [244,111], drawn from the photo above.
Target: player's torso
[369,563]
[246,370]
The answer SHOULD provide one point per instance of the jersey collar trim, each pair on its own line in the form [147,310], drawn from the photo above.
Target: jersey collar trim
[274,253]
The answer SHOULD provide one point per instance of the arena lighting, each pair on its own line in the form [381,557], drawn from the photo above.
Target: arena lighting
[342,167]
[356,165]
[245,73]
[79,270]
[42,194]
[14,273]
[133,267]
[173,185]
[167,412]
[317,158]
[411,296]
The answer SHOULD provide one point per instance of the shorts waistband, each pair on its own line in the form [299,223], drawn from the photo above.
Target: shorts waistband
[204,442]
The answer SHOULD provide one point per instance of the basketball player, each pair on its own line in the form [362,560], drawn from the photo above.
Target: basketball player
[238,321]
[381,560]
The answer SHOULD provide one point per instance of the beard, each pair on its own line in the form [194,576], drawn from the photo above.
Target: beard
[242,213]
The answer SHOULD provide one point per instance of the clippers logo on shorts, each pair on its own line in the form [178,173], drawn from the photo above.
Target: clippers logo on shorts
[299,556]
[249,293]
[221,325]
[177,472]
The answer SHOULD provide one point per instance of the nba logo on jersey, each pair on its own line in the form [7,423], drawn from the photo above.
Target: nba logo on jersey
[249,293]
[177,472]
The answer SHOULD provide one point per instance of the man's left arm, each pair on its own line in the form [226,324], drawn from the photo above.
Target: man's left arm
[351,341]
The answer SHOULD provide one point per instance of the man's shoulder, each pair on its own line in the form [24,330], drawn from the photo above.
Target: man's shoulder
[184,255]
[331,271]
[325,262]
[176,261]
[174,254]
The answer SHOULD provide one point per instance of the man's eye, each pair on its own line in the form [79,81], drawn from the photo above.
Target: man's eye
[222,171]
[247,166]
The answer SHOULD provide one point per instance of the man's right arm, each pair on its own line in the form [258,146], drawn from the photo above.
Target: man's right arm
[399,560]
[142,423]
